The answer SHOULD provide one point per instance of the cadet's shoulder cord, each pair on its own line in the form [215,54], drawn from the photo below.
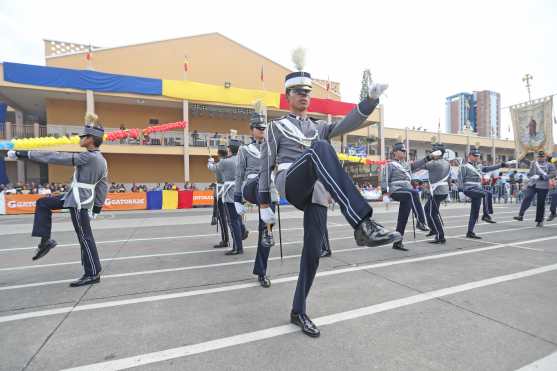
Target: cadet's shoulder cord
[292,132]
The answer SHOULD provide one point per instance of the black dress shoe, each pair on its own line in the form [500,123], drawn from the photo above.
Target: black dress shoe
[213,221]
[539,224]
[422,227]
[399,246]
[370,233]
[473,235]
[487,219]
[245,235]
[519,218]
[438,241]
[264,281]
[44,248]
[233,252]
[86,280]
[430,234]
[303,321]
[267,239]
[326,253]
[551,216]
[221,244]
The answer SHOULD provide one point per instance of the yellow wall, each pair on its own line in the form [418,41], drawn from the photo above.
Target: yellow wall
[129,168]
[213,59]
[71,112]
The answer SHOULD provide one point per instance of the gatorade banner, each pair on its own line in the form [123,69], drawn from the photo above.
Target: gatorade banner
[202,198]
[21,204]
[125,201]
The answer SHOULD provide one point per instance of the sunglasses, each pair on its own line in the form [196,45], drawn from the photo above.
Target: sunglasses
[301,91]
[259,128]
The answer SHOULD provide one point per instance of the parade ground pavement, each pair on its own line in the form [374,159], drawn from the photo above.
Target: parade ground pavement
[168,300]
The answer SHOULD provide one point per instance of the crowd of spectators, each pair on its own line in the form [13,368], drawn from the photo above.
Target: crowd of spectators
[56,188]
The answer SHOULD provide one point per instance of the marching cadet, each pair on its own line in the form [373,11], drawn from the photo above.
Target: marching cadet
[541,171]
[87,192]
[308,173]
[470,182]
[396,182]
[227,167]
[439,171]
[221,212]
[553,206]
[247,170]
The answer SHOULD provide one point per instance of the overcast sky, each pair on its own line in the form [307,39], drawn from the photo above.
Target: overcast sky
[425,50]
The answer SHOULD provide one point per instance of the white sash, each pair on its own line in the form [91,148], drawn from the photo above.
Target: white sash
[473,169]
[540,170]
[76,186]
[253,150]
[292,132]
[443,181]
[401,168]
[224,189]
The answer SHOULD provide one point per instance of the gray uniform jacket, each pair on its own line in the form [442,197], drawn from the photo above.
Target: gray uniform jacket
[470,175]
[544,170]
[439,171]
[282,149]
[397,175]
[90,168]
[227,168]
[249,165]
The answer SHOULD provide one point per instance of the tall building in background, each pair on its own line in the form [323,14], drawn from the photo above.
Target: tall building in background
[481,110]
[488,113]
[460,109]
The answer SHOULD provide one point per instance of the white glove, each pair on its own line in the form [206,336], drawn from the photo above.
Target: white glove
[240,209]
[376,90]
[436,153]
[511,163]
[211,160]
[267,216]
[12,155]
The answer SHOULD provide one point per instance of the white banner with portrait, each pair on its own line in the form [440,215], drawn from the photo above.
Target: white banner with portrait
[533,126]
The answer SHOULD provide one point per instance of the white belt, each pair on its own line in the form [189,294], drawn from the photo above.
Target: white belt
[443,181]
[284,166]
[251,176]
[474,183]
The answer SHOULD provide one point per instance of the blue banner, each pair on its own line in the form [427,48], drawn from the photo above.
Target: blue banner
[3,175]
[80,79]
[3,109]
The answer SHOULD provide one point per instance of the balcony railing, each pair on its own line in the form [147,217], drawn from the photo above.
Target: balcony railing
[169,138]
[9,130]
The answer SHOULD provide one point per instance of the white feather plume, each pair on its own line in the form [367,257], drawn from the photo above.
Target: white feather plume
[299,58]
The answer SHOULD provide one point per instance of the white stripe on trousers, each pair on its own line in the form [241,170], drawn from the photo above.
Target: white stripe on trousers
[77,213]
[328,179]
[302,159]
[414,208]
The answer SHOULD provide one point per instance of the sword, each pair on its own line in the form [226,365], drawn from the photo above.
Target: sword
[280,229]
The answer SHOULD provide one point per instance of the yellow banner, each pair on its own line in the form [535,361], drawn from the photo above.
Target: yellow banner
[169,199]
[189,90]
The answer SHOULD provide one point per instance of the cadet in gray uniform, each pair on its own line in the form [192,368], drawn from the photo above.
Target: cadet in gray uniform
[308,173]
[227,167]
[553,194]
[470,182]
[86,192]
[247,171]
[396,181]
[221,212]
[438,173]
[541,171]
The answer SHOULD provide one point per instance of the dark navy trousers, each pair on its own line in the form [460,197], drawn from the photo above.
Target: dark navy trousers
[320,162]
[409,200]
[553,207]
[476,196]
[433,215]
[236,226]
[42,227]
[222,220]
[250,194]
[540,202]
